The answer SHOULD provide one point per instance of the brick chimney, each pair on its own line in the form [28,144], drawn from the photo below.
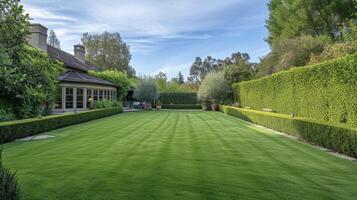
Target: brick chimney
[38,37]
[80,52]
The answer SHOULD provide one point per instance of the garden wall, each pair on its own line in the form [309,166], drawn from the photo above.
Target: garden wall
[325,92]
[339,137]
[12,130]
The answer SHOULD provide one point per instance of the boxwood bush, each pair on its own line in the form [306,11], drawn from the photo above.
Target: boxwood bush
[325,92]
[12,130]
[181,106]
[338,137]
[178,98]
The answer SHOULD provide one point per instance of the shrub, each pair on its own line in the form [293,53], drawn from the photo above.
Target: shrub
[178,97]
[106,103]
[10,131]
[117,77]
[6,115]
[146,90]
[181,106]
[9,187]
[333,51]
[31,83]
[338,137]
[325,92]
[214,88]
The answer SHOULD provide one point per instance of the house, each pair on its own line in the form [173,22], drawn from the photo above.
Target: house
[77,90]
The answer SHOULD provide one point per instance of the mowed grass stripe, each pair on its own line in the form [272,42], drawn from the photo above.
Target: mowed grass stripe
[176,155]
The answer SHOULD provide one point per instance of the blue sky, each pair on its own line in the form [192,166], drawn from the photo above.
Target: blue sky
[163,35]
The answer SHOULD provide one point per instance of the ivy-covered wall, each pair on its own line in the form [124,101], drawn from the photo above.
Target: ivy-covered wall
[326,92]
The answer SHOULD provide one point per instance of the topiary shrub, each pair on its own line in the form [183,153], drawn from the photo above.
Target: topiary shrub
[178,97]
[338,137]
[325,92]
[9,187]
[13,130]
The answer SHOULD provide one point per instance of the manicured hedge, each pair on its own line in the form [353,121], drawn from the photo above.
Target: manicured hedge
[181,106]
[12,130]
[178,98]
[338,137]
[325,92]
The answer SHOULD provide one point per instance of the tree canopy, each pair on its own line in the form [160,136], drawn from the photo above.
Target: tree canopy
[53,40]
[109,51]
[293,18]
[14,28]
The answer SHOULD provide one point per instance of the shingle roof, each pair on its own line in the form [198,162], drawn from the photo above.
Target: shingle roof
[79,77]
[69,60]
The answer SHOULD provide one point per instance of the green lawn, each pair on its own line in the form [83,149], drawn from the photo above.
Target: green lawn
[176,155]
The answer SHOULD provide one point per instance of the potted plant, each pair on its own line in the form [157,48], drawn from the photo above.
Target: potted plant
[214,88]
[146,91]
[158,104]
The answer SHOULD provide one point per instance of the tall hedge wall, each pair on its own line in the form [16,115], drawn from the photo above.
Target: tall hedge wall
[12,130]
[326,92]
[338,137]
[178,98]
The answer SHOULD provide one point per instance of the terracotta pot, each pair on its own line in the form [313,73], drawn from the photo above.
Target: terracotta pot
[214,107]
[147,106]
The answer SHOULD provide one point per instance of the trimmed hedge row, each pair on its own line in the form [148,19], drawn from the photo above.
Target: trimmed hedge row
[325,92]
[181,106]
[12,130]
[338,137]
[178,98]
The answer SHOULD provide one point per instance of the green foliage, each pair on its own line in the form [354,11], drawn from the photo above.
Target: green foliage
[325,92]
[109,51]
[200,69]
[179,79]
[293,18]
[178,97]
[289,53]
[117,77]
[101,104]
[214,88]
[337,137]
[53,40]
[181,106]
[146,90]
[336,50]
[9,187]
[14,28]
[6,115]
[30,84]
[10,131]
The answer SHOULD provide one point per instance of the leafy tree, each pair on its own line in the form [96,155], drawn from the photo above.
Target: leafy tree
[9,187]
[200,68]
[179,79]
[30,84]
[214,88]
[146,90]
[293,18]
[161,80]
[108,51]
[14,28]
[117,77]
[237,68]
[53,40]
[289,53]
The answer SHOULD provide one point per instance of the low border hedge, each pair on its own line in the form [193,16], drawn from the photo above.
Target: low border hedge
[12,130]
[178,98]
[181,106]
[338,137]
